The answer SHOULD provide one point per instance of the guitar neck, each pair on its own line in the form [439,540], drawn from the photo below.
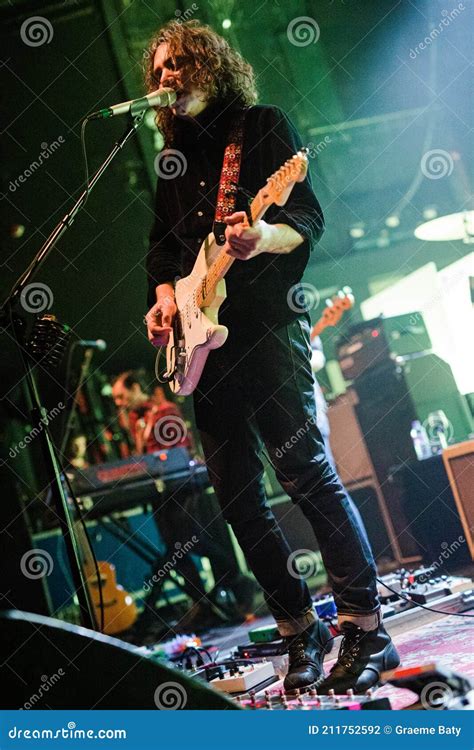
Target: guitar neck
[223,262]
[318,328]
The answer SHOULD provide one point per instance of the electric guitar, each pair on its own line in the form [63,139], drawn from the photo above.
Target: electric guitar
[334,310]
[196,329]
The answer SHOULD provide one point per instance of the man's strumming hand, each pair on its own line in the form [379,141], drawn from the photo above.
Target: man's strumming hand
[159,318]
[245,242]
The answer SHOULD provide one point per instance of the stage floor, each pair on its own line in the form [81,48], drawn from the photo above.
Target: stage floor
[449,641]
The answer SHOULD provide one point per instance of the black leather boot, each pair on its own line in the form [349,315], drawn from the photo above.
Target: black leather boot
[363,655]
[306,652]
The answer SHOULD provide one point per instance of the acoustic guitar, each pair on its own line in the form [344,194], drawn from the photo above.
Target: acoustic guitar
[113,606]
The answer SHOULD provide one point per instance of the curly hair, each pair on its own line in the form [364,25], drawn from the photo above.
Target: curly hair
[214,67]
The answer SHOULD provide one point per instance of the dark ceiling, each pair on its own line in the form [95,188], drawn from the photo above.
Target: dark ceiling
[362,92]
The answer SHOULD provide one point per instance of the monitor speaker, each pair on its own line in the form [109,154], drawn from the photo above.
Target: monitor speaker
[49,664]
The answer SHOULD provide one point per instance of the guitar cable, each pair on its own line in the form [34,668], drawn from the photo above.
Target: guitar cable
[401,596]
[423,606]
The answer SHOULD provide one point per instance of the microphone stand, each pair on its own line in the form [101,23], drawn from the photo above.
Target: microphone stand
[84,371]
[8,317]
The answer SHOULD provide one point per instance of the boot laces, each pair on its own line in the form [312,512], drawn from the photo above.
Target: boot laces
[350,647]
[297,653]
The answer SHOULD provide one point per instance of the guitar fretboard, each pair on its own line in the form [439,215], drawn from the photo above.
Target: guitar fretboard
[218,269]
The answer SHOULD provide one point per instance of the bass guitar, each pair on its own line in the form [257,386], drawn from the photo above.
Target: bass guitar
[334,310]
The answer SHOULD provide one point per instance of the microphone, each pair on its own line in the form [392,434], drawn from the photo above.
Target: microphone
[159,98]
[99,344]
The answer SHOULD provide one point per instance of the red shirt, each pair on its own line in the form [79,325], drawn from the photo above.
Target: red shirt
[154,428]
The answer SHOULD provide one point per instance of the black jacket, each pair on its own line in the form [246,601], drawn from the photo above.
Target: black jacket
[257,289]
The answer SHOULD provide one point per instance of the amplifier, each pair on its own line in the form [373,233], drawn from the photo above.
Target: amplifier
[372,342]
[459,464]
[438,503]
[390,398]
[357,472]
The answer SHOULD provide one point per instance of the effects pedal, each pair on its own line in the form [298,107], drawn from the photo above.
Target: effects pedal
[240,679]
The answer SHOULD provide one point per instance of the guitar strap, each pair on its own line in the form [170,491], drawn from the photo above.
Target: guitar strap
[229,181]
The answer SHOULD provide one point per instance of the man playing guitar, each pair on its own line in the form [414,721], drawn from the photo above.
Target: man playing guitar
[258,387]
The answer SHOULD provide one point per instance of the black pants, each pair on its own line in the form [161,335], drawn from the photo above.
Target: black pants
[259,387]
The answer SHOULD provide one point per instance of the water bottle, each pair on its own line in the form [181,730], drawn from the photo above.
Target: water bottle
[439,428]
[420,439]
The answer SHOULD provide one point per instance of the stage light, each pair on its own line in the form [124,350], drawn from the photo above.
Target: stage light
[226,23]
[430,212]
[357,231]
[458,226]
[383,240]
[392,221]
[17,231]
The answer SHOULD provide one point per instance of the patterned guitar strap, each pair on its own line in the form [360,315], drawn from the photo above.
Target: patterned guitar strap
[229,181]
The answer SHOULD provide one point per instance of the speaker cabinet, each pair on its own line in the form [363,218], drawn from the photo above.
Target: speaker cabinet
[367,501]
[357,472]
[438,508]
[390,398]
[294,524]
[459,464]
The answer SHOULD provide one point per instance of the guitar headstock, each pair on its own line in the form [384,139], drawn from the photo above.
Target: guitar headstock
[281,183]
[334,310]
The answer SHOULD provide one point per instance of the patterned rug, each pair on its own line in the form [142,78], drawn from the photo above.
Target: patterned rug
[448,641]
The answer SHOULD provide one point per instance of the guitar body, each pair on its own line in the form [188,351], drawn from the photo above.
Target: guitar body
[196,330]
[120,611]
